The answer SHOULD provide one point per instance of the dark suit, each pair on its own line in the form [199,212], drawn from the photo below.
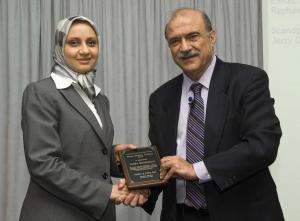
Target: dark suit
[68,155]
[242,136]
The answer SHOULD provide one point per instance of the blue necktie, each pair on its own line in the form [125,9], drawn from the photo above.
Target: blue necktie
[195,145]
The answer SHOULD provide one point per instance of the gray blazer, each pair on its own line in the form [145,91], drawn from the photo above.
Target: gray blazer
[69,156]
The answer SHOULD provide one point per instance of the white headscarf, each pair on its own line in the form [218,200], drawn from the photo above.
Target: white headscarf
[86,81]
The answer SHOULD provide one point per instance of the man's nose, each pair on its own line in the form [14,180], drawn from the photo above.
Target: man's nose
[185,46]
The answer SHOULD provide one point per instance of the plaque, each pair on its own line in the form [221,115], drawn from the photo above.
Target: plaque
[141,167]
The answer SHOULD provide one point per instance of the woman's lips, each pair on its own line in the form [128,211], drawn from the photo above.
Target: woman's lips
[84,61]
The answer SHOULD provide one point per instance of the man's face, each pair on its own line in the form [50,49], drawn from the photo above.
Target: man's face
[190,44]
[81,48]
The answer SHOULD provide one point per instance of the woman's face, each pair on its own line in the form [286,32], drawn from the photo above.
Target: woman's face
[81,48]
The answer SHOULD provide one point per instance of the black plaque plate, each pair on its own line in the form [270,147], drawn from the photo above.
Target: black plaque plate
[141,167]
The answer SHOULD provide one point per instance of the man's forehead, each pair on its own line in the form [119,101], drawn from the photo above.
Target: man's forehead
[186,23]
[187,13]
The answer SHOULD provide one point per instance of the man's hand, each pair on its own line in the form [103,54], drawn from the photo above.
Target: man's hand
[119,192]
[135,197]
[175,166]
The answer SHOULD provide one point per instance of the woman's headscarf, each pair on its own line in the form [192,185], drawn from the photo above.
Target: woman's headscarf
[86,81]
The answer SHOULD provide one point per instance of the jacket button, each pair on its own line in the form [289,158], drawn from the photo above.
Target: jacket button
[105,176]
[104,151]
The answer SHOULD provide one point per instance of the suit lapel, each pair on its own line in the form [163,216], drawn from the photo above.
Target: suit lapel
[216,109]
[105,117]
[171,108]
[76,101]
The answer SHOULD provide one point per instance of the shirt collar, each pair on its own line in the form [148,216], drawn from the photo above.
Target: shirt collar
[62,82]
[204,80]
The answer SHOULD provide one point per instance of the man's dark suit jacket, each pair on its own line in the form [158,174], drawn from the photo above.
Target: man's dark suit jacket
[68,156]
[242,135]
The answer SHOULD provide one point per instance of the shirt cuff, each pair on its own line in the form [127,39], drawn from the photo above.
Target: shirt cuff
[202,172]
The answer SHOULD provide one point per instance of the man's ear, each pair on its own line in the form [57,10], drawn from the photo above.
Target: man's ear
[213,38]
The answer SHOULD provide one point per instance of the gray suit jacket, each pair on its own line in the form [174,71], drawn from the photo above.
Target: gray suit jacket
[69,156]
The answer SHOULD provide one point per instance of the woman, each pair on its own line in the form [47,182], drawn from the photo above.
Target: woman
[68,134]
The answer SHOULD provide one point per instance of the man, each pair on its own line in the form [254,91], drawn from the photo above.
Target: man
[216,131]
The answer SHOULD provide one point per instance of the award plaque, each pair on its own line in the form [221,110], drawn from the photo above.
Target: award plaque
[141,167]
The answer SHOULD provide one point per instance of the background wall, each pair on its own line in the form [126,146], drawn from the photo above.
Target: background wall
[281,34]
[134,61]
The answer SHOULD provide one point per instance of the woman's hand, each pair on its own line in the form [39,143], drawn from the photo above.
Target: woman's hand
[135,197]
[120,147]
[119,192]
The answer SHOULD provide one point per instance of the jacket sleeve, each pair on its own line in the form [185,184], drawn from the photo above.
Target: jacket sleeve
[149,206]
[114,169]
[43,152]
[259,135]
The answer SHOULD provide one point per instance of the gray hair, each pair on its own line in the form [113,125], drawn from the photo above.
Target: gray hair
[206,19]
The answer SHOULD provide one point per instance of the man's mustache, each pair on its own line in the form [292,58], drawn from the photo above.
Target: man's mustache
[187,54]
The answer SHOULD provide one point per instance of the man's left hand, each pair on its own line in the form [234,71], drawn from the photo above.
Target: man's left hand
[176,166]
